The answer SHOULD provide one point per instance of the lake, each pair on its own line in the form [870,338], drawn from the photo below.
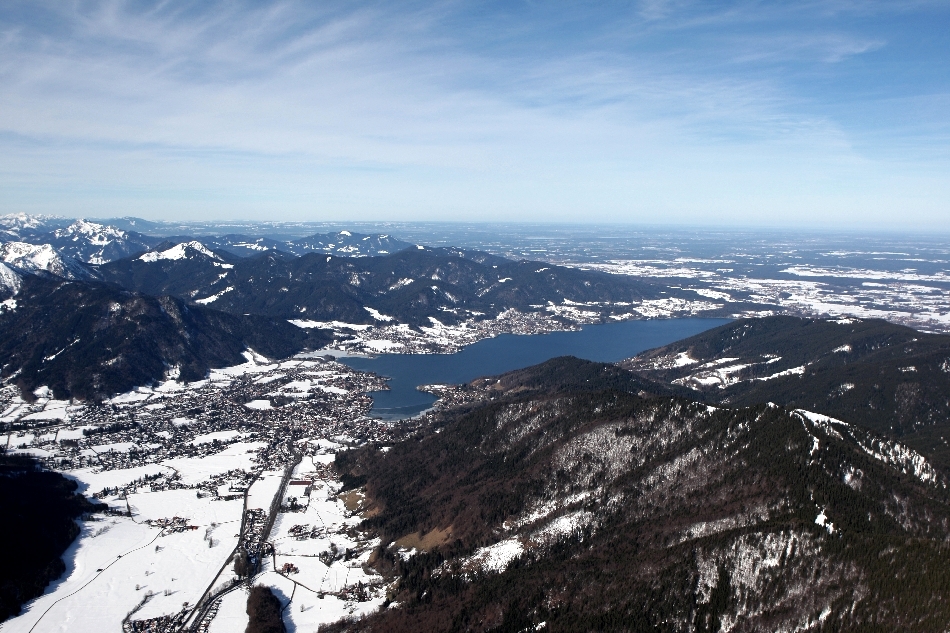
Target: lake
[608,342]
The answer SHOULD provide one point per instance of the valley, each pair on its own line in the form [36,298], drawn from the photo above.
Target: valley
[778,463]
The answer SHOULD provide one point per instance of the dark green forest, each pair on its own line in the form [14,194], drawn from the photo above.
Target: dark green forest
[40,509]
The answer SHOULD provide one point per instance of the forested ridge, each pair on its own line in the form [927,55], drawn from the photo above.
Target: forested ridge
[888,378]
[679,517]
[90,340]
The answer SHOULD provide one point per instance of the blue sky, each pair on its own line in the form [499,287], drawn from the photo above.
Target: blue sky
[806,114]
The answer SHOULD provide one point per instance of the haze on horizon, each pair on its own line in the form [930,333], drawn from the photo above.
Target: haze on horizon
[830,114]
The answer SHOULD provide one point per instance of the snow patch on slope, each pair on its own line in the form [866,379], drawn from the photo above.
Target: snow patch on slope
[10,281]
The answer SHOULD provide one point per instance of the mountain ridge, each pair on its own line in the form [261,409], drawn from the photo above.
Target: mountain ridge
[888,378]
[87,339]
[569,510]
[409,286]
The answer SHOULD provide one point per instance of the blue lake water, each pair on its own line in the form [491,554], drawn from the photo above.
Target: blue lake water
[608,342]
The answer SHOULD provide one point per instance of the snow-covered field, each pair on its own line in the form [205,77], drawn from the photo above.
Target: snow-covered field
[178,464]
[907,296]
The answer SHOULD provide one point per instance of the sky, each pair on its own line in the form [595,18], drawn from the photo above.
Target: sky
[831,114]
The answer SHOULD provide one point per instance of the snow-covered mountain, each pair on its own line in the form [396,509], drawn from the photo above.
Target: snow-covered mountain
[85,241]
[185,250]
[17,226]
[33,258]
[98,243]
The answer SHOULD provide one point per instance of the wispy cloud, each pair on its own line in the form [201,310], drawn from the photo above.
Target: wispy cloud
[410,109]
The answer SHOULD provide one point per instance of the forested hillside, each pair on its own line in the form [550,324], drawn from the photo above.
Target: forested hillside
[89,339]
[885,377]
[569,509]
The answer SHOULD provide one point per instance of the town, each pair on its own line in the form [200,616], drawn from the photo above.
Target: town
[211,487]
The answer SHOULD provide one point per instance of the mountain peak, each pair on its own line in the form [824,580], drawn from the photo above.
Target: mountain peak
[99,232]
[18,221]
[185,250]
[32,258]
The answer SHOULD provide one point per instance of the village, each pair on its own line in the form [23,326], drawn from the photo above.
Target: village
[211,487]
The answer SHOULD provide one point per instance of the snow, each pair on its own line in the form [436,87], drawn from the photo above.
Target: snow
[259,404]
[496,557]
[823,521]
[379,316]
[904,459]
[794,371]
[86,600]
[221,436]
[32,258]
[300,386]
[137,395]
[232,614]
[118,447]
[863,273]
[713,294]
[184,503]
[99,233]
[214,297]
[263,491]
[401,283]
[178,252]
[721,376]
[94,480]
[844,349]
[682,359]
[329,325]
[48,414]
[193,470]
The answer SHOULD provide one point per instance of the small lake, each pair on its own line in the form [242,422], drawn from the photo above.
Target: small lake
[608,342]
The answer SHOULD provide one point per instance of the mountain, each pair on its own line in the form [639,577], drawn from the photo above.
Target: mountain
[96,243]
[32,258]
[240,245]
[87,242]
[342,244]
[348,244]
[99,243]
[133,224]
[17,226]
[90,339]
[888,378]
[176,269]
[410,286]
[554,508]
